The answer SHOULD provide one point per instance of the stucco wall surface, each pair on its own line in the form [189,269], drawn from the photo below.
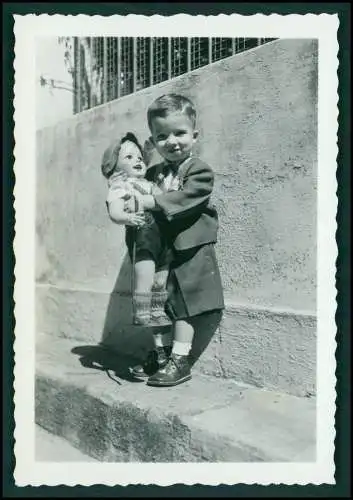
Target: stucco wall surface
[257,116]
[257,119]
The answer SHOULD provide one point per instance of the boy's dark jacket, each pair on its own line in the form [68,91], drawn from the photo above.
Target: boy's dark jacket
[192,219]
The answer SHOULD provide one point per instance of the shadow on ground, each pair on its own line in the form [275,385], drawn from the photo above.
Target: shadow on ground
[106,360]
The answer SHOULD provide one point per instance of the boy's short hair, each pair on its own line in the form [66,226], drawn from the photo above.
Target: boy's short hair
[170,103]
[111,154]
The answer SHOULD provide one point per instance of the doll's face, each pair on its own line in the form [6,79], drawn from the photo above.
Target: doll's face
[130,160]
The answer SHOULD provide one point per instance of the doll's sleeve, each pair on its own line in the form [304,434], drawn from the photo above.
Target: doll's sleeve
[118,189]
[194,194]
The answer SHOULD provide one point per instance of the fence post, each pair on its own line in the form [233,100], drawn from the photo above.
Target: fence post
[210,50]
[92,46]
[134,63]
[169,58]
[118,68]
[188,54]
[151,60]
[77,74]
[233,46]
[105,69]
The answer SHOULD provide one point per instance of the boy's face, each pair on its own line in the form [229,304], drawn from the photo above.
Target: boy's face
[130,160]
[173,136]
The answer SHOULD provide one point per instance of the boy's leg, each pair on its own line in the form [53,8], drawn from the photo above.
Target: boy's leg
[142,295]
[183,337]
[177,370]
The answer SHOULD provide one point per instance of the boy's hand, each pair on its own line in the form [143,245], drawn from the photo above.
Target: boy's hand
[129,204]
[135,220]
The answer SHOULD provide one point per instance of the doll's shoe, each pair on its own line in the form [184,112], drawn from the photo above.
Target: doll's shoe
[175,372]
[155,360]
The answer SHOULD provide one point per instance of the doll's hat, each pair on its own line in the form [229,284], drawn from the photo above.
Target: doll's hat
[111,154]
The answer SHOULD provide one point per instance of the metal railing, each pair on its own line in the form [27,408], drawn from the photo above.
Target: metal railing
[107,68]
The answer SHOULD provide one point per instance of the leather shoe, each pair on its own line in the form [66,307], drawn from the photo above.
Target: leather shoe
[175,372]
[155,360]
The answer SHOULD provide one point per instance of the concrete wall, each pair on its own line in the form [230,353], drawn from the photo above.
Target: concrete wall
[257,115]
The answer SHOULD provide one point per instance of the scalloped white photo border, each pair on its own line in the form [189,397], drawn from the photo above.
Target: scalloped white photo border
[27,28]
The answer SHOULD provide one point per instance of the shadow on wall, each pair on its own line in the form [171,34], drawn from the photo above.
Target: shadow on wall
[118,331]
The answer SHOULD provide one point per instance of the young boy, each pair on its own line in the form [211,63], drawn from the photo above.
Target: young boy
[124,167]
[188,222]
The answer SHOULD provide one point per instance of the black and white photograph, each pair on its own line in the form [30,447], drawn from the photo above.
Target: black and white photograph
[175,249]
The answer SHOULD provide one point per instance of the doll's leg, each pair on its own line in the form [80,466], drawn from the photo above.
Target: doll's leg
[163,336]
[159,291]
[159,297]
[144,275]
[142,296]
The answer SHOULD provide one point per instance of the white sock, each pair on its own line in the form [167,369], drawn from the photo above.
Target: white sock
[163,339]
[181,348]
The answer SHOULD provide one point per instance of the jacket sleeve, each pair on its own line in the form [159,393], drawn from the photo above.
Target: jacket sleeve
[193,196]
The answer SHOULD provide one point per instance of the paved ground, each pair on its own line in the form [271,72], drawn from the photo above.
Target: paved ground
[91,402]
[50,448]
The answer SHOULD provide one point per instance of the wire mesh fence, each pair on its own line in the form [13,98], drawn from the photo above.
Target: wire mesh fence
[107,68]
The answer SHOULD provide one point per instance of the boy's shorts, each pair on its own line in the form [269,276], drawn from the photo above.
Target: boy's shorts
[194,283]
[151,243]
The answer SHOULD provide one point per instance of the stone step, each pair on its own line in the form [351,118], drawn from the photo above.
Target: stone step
[51,448]
[86,396]
[266,348]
